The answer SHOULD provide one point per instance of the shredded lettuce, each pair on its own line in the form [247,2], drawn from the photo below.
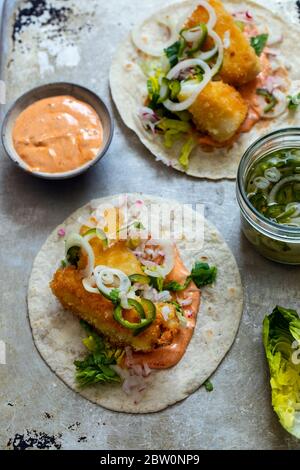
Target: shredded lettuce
[186,151]
[95,368]
[166,124]
[170,137]
[153,90]
[172,130]
[151,68]
[281,337]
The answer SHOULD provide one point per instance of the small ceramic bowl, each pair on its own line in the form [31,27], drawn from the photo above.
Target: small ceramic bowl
[46,91]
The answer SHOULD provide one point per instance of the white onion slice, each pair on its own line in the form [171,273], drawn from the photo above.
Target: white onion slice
[174,30]
[124,301]
[74,239]
[220,46]
[147,48]
[88,285]
[279,108]
[210,10]
[261,183]
[105,275]
[272,174]
[296,206]
[163,296]
[186,64]
[208,54]
[165,311]
[193,34]
[174,72]
[185,302]
[275,189]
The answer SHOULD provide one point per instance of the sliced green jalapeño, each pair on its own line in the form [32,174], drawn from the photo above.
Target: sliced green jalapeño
[273,186]
[146,311]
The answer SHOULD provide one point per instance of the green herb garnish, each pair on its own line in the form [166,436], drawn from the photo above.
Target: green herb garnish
[293,102]
[157,283]
[259,43]
[139,226]
[208,386]
[114,296]
[73,256]
[201,274]
[174,286]
[95,368]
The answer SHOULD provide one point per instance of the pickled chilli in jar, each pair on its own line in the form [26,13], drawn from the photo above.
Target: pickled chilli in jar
[273,186]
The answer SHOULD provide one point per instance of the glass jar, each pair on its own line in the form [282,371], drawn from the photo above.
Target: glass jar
[275,241]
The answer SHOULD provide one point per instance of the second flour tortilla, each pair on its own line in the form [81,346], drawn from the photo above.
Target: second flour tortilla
[129,90]
[58,334]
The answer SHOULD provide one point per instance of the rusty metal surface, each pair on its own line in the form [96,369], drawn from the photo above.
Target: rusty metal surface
[36,408]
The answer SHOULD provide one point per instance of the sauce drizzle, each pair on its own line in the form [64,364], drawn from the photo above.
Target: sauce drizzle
[168,356]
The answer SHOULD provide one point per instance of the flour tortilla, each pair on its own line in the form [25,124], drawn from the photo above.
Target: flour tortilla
[58,334]
[129,91]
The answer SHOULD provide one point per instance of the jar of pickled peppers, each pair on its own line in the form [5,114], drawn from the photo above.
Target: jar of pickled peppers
[268,193]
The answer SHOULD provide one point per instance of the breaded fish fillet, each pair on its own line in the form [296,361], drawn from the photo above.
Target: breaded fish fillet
[241,64]
[219,111]
[98,312]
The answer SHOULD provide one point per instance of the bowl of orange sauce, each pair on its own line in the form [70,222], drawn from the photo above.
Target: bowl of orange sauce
[57,131]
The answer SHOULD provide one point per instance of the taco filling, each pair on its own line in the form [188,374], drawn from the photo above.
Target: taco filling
[138,301]
[218,78]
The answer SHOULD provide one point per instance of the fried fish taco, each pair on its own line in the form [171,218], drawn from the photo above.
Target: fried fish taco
[198,81]
[132,320]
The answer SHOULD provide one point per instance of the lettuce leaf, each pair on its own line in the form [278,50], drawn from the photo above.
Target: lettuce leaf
[166,124]
[172,130]
[95,368]
[186,151]
[281,338]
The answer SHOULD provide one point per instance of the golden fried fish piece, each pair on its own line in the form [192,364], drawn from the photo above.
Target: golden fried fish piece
[240,64]
[96,310]
[219,111]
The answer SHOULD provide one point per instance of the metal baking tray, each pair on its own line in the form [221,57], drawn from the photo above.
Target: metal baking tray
[75,41]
